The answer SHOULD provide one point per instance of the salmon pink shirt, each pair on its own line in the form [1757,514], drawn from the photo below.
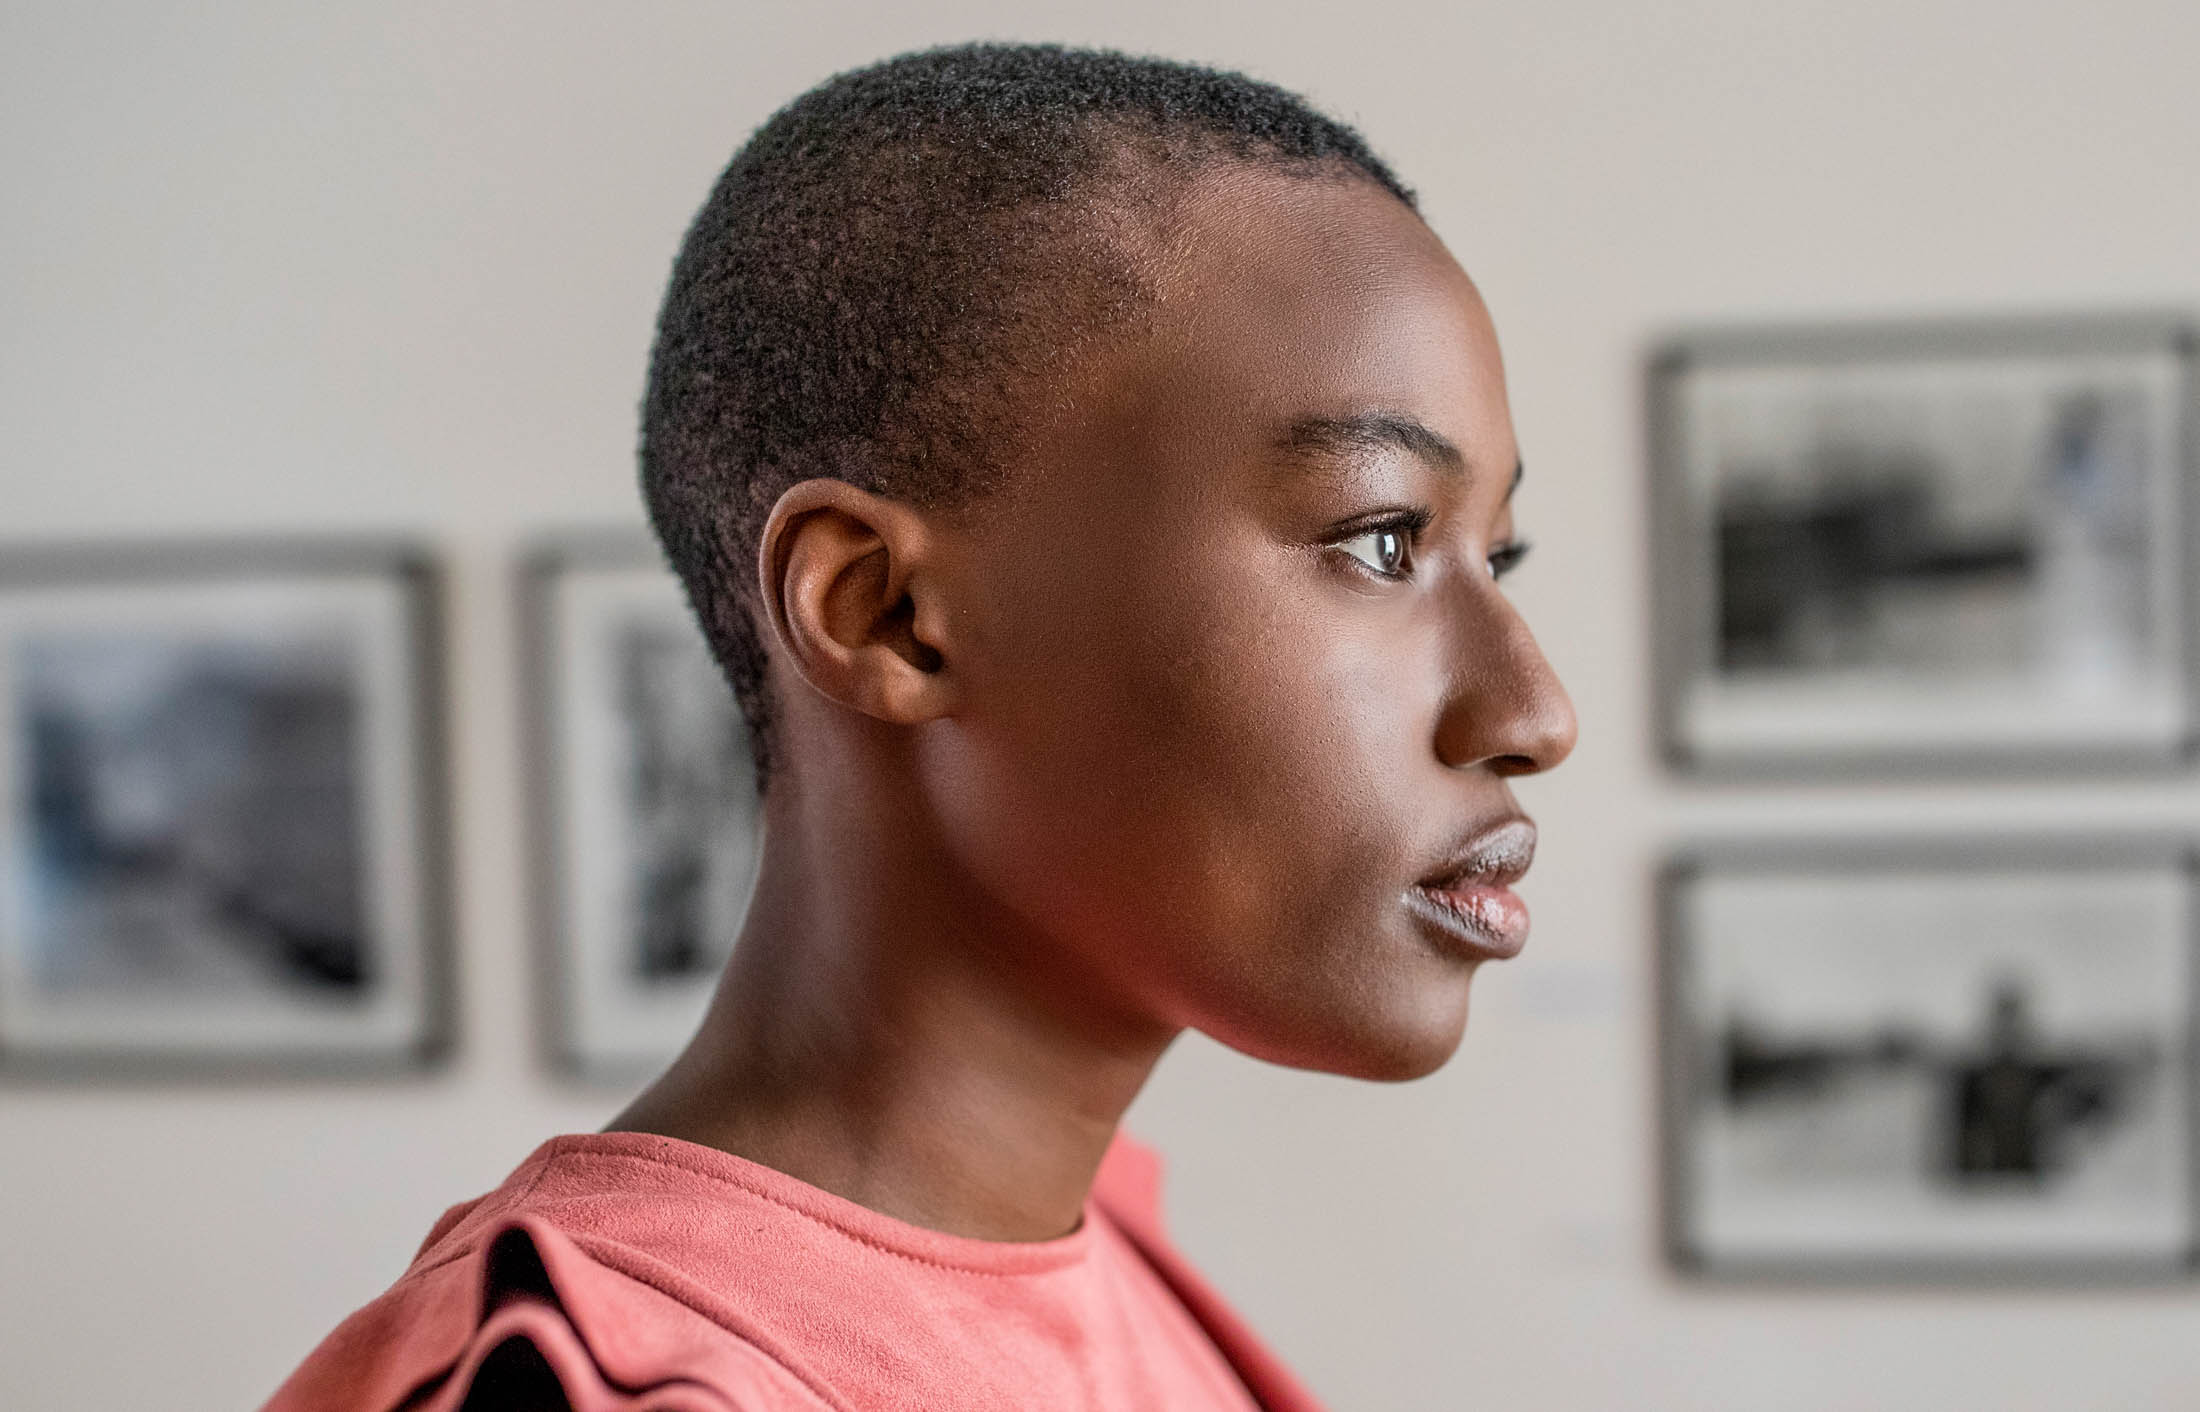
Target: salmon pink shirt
[623,1272]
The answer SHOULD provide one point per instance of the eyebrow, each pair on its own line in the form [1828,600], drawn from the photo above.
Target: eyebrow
[1364,431]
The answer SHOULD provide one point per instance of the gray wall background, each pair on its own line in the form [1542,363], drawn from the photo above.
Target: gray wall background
[280,267]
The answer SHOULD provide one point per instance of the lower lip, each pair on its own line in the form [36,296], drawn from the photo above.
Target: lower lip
[1491,922]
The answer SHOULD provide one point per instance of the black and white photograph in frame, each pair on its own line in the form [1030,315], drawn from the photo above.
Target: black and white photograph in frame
[1930,1063]
[644,767]
[1961,545]
[219,808]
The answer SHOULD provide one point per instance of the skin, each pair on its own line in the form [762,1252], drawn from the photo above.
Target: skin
[1160,737]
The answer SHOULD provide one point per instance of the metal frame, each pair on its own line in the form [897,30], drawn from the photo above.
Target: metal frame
[1682,571]
[1922,854]
[411,566]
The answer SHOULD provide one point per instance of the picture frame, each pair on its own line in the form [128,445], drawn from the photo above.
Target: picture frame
[222,825]
[1939,1060]
[648,821]
[1953,547]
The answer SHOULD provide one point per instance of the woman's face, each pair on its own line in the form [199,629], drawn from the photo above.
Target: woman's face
[1240,689]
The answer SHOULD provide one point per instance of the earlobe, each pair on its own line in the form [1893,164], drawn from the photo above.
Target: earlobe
[841,572]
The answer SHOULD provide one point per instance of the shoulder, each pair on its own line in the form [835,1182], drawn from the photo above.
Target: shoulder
[623,1271]
[1128,1191]
[529,1294]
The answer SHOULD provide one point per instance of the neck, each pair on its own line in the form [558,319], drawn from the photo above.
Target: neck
[886,1034]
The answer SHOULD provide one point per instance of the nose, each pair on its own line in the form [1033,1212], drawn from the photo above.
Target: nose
[1504,708]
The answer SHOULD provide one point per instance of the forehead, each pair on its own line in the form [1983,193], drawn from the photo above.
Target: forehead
[1280,298]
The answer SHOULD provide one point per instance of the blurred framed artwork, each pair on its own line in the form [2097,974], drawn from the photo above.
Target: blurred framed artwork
[648,804]
[1947,546]
[220,808]
[1937,1062]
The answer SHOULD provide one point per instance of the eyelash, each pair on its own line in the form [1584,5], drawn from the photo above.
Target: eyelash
[1407,525]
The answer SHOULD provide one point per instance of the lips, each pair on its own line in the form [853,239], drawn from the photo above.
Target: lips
[1470,898]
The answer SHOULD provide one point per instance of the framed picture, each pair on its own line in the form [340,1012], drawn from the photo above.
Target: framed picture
[650,809]
[1932,1062]
[1953,546]
[220,808]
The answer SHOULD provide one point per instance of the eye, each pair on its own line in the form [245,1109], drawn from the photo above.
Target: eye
[1388,551]
[1507,556]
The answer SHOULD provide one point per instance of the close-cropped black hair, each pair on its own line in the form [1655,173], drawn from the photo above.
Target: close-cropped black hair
[887,274]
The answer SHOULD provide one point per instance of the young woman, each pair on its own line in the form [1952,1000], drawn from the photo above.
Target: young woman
[1096,481]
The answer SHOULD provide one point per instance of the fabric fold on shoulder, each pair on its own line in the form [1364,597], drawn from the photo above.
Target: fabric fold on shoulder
[528,1358]
[520,1312]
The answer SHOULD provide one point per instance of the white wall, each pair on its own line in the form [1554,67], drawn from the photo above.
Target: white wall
[394,267]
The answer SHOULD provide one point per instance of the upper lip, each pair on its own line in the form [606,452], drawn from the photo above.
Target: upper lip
[1494,857]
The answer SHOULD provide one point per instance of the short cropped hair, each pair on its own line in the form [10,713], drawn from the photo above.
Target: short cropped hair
[897,269]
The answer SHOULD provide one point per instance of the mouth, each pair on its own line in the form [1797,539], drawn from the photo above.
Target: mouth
[1469,899]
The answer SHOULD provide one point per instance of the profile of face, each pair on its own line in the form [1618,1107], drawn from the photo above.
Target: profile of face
[1230,693]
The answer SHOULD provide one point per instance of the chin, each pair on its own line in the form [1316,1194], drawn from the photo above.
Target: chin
[1402,1057]
[1410,1037]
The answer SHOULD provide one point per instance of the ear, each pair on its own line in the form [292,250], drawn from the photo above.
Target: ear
[845,581]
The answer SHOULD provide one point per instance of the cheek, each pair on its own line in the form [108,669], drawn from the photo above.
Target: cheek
[1209,773]
[1287,745]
